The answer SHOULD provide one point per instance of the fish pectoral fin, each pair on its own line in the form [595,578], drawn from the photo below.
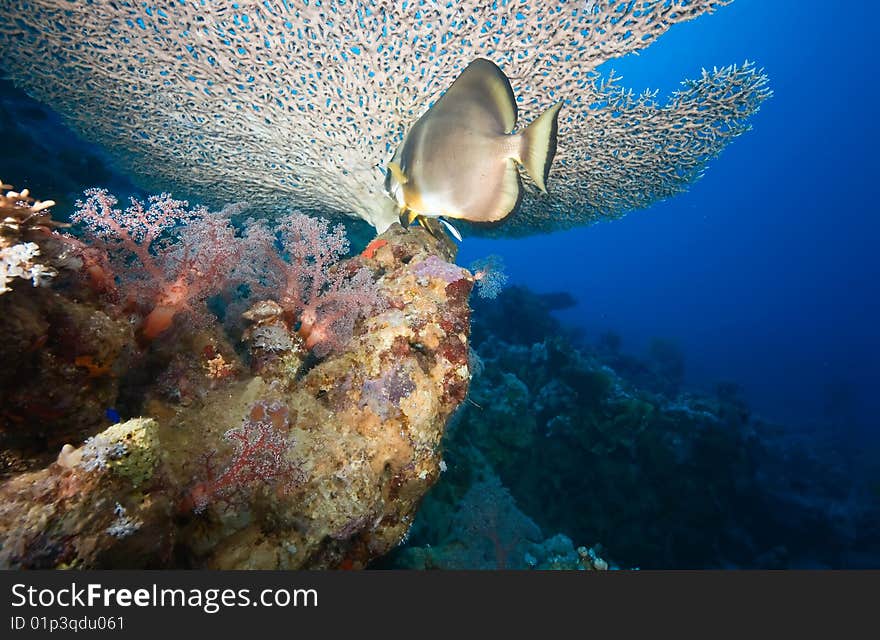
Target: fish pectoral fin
[436,227]
[407,217]
[450,229]
[397,172]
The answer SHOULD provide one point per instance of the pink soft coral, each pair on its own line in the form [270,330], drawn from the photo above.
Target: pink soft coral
[318,293]
[162,275]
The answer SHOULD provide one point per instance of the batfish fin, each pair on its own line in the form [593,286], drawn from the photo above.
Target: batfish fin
[482,93]
[397,172]
[433,226]
[452,230]
[407,217]
[505,200]
[539,146]
[510,193]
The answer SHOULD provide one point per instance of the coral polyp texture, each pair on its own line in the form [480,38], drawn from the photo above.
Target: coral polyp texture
[313,292]
[307,101]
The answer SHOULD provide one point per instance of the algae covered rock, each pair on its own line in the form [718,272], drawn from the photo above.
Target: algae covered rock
[318,465]
[63,348]
[130,449]
[100,505]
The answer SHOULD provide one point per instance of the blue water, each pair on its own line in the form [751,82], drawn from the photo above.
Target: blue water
[766,271]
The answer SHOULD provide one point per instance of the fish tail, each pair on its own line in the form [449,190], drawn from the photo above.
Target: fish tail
[538,146]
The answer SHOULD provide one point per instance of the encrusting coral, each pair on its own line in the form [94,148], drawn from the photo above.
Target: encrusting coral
[306,102]
[318,465]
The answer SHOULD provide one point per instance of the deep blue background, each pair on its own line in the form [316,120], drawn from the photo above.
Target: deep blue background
[766,272]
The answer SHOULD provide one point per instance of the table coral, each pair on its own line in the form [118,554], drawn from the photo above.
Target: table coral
[306,102]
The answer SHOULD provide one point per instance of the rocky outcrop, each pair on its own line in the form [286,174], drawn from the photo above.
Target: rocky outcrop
[300,463]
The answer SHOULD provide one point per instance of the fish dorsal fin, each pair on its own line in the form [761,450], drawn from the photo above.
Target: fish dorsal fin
[482,91]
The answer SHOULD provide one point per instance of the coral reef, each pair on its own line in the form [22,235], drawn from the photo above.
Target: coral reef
[313,291]
[607,447]
[23,220]
[166,277]
[69,359]
[68,352]
[20,261]
[235,461]
[314,98]
[489,532]
[489,276]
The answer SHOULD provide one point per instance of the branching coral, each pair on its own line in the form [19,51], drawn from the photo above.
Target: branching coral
[19,212]
[19,261]
[488,513]
[305,102]
[259,460]
[22,220]
[167,259]
[489,276]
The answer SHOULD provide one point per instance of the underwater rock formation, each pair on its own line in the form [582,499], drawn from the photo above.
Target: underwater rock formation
[68,360]
[311,463]
[305,103]
[62,354]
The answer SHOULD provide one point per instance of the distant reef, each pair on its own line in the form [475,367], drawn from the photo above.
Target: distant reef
[566,440]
